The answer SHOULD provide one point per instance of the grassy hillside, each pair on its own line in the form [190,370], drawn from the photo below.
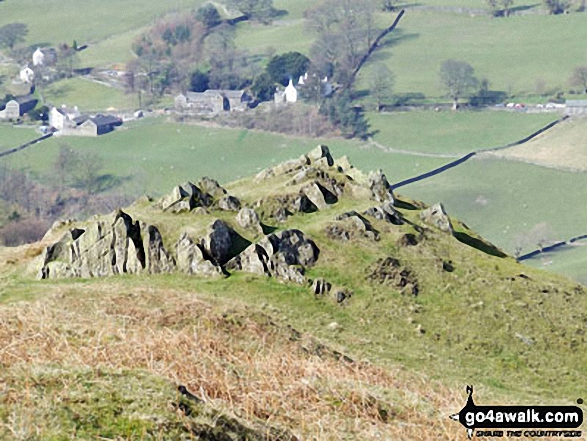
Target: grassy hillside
[57,21]
[505,200]
[564,146]
[155,155]
[453,133]
[265,352]
[11,137]
[88,95]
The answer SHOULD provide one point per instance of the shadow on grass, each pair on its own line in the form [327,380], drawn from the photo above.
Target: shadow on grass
[479,244]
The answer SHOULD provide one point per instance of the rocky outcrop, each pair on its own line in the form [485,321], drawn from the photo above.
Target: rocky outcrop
[389,271]
[283,255]
[192,258]
[386,213]
[218,242]
[319,195]
[249,219]
[380,189]
[321,287]
[350,225]
[207,193]
[437,217]
[107,248]
[319,157]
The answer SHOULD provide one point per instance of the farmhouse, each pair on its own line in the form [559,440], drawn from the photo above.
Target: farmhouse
[44,56]
[576,107]
[91,125]
[212,102]
[17,107]
[27,75]
[62,117]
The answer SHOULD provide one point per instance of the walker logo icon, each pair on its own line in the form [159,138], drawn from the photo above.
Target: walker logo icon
[474,417]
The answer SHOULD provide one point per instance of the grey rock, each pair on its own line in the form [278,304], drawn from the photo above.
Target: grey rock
[218,241]
[386,213]
[229,203]
[437,217]
[192,258]
[107,248]
[248,218]
[380,189]
[283,255]
[321,287]
[321,153]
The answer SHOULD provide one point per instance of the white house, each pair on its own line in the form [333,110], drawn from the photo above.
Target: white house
[27,75]
[291,94]
[63,117]
[38,57]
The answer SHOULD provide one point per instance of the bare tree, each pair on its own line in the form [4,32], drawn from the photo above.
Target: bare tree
[579,78]
[458,79]
[12,33]
[381,84]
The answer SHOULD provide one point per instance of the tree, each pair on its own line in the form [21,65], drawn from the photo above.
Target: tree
[579,78]
[500,7]
[558,6]
[458,79]
[381,84]
[199,81]
[389,5]
[346,29]
[209,16]
[340,111]
[68,59]
[11,34]
[290,65]
[258,10]
[263,87]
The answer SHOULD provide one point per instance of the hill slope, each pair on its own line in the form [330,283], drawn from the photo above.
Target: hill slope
[342,311]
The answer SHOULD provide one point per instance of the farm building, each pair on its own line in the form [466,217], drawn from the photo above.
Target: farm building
[91,126]
[62,117]
[212,102]
[27,75]
[18,106]
[289,95]
[576,107]
[44,56]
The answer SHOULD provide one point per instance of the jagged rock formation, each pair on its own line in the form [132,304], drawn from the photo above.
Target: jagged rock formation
[283,255]
[380,189]
[349,225]
[208,193]
[192,258]
[248,218]
[437,217]
[385,212]
[106,249]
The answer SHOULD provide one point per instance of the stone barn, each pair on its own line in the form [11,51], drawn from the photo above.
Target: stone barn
[17,107]
[212,102]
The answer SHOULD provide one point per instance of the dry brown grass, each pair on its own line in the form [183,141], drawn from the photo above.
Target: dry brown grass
[235,359]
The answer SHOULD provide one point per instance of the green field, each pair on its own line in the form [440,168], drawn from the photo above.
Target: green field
[156,155]
[449,132]
[564,146]
[514,54]
[11,137]
[570,260]
[88,95]
[56,21]
[505,200]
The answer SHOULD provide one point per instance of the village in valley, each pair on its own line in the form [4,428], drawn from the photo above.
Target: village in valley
[279,220]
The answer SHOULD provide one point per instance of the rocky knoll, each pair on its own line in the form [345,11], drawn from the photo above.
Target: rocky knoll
[215,233]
